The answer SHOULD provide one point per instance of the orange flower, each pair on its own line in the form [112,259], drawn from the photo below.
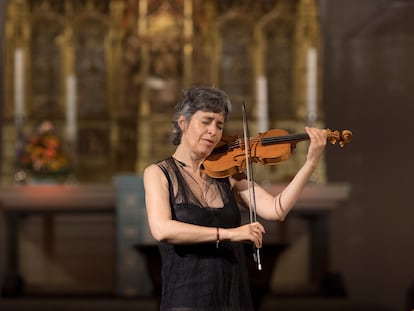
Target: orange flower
[42,153]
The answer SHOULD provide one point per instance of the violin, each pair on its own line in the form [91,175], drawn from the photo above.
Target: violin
[268,148]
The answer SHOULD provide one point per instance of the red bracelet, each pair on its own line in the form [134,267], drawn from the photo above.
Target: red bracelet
[218,237]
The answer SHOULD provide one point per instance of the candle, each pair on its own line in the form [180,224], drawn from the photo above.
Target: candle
[188,12]
[311,94]
[71,108]
[18,85]
[262,109]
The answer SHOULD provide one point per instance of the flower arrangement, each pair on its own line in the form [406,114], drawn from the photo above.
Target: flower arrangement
[41,154]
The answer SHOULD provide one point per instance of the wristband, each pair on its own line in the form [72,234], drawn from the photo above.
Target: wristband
[218,237]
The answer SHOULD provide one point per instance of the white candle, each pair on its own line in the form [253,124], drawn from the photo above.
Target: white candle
[262,103]
[71,124]
[18,84]
[311,94]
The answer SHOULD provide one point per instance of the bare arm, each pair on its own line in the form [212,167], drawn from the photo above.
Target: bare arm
[277,207]
[164,228]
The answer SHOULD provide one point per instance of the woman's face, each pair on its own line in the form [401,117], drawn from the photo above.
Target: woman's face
[202,132]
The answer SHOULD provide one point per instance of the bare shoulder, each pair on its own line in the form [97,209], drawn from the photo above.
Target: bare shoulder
[151,170]
[154,175]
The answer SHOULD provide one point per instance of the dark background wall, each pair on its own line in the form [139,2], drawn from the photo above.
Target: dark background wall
[369,88]
[3,4]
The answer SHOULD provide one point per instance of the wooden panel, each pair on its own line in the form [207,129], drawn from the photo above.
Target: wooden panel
[67,253]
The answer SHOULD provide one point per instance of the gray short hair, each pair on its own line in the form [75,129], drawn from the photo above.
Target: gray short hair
[198,98]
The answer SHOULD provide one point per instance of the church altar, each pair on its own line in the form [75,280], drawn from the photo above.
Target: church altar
[17,201]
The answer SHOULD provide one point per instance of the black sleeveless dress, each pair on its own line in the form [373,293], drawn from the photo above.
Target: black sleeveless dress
[202,277]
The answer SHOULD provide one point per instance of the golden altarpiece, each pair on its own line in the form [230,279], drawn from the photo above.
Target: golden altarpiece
[109,72]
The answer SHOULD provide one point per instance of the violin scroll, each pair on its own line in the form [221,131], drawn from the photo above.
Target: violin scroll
[341,138]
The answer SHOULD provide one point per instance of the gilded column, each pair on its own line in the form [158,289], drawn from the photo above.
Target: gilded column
[188,41]
[15,108]
[214,44]
[261,98]
[307,73]
[19,16]
[144,123]
[307,43]
[114,61]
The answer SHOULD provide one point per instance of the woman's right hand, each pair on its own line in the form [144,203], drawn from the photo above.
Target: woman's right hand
[250,232]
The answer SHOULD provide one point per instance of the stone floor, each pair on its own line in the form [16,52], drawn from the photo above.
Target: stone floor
[146,304]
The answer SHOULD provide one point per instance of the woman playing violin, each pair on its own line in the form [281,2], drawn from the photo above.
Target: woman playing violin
[196,218]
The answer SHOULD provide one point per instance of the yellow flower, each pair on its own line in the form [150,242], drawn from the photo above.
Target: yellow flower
[42,153]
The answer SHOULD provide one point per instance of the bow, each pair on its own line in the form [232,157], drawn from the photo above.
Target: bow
[250,181]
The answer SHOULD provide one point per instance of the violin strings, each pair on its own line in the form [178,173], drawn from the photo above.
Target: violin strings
[268,140]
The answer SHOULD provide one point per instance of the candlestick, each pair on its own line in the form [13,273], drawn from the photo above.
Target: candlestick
[311,98]
[71,122]
[18,86]
[262,104]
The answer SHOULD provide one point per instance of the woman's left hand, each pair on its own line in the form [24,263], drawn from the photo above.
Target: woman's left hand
[318,139]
